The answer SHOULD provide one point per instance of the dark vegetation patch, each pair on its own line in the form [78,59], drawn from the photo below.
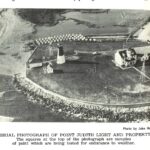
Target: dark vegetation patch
[42,16]
[2,53]
[88,24]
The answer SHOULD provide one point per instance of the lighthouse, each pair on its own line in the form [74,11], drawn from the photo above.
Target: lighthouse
[60,55]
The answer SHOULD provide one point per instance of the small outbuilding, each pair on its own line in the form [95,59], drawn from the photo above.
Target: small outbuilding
[48,68]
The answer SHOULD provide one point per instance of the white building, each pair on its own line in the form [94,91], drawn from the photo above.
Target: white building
[60,55]
[125,58]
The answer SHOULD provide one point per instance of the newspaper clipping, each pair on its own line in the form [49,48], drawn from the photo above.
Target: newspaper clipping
[75,74]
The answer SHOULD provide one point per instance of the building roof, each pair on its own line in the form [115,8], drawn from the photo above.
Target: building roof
[43,53]
[123,53]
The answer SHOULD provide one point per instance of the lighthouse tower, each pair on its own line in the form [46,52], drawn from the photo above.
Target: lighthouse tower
[60,55]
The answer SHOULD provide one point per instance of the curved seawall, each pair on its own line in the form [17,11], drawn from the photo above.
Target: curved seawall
[77,108]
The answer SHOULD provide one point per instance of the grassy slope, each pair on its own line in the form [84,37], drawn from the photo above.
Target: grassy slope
[78,80]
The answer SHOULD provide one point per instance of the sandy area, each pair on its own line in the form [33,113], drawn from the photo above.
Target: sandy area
[6,119]
[144,33]
[13,29]
[12,60]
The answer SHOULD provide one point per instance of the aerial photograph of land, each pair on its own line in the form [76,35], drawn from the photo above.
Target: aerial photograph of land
[74,65]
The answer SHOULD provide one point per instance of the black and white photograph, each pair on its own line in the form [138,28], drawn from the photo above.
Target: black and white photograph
[74,65]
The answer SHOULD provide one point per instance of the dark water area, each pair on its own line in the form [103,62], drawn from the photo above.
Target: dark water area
[88,22]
